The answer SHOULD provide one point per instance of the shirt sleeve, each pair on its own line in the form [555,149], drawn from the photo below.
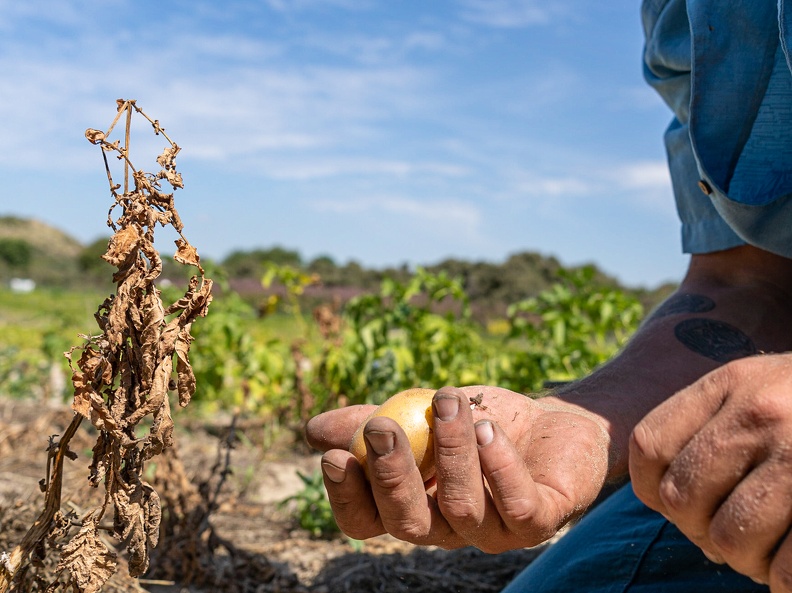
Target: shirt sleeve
[724,73]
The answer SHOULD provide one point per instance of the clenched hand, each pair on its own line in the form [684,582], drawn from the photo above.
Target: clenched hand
[716,460]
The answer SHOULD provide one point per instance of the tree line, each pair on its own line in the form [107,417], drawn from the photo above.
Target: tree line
[490,286]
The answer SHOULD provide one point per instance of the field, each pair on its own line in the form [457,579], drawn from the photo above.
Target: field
[241,505]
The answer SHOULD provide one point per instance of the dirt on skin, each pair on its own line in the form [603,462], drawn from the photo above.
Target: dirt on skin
[251,544]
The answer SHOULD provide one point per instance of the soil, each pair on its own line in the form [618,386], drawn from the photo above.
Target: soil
[257,544]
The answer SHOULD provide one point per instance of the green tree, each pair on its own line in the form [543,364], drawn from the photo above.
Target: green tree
[253,264]
[90,259]
[17,253]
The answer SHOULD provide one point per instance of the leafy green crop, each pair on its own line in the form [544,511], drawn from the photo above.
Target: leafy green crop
[567,331]
[310,507]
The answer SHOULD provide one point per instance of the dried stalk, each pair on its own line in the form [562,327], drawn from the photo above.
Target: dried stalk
[122,377]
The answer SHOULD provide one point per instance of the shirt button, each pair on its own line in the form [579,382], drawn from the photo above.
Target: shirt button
[704,187]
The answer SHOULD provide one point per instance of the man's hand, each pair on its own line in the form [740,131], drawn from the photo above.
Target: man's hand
[510,472]
[716,460]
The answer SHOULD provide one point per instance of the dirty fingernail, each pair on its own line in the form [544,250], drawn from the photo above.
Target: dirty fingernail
[334,473]
[446,407]
[484,432]
[381,442]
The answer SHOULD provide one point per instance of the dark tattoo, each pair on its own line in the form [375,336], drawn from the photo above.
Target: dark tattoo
[684,303]
[714,339]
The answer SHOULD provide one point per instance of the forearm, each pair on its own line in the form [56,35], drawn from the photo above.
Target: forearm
[730,305]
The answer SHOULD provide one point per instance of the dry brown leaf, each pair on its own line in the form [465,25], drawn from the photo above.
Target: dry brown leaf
[89,562]
[94,136]
[186,254]
[137,517]
[184,373]
[123,245]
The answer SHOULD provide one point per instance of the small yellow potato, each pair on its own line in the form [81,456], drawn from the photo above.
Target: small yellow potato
[412,410]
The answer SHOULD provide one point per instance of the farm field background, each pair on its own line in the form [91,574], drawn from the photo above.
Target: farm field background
[279,345]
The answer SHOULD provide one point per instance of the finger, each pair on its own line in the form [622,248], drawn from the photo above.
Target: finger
[350,495]
[781,569]
[334,429]
[697,481]
[753,521]
[664,432]
[530,512]
[405,509]
[461,496]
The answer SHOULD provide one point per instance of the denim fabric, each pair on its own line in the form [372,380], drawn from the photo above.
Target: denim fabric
[622,546]
[724,70]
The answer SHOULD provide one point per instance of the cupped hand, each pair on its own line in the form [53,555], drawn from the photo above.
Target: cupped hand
[509,473]
[716,460]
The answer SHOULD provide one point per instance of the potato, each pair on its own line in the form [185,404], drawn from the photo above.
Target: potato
[412,410]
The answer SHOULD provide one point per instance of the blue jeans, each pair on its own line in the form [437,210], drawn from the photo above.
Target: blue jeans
[623,546]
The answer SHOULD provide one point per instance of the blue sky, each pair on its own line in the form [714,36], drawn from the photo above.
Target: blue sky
[386,132]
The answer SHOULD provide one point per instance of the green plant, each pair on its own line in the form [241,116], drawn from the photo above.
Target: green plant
[232,367]
[409,334]
[310,506]
[567,331]
[21,376]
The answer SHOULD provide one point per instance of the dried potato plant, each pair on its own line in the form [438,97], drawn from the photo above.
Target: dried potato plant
[122,378]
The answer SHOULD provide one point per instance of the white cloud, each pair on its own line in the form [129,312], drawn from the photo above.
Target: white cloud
[509,14]
[643,175]
[302,5]
[375,48]
[225,108]
[444,213]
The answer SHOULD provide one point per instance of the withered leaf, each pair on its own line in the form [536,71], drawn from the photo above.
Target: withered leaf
[184,373]
[89,562]
[157,394]
[173,177]
[168,157]
[161,432]
[136,521]
[153,320]
[123,245]
[94,136]
[100,462]
[186,253]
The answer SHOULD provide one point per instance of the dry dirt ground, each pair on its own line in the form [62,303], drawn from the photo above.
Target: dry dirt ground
[261,549]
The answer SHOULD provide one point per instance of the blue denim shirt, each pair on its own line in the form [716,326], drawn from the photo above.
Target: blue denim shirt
[724,70]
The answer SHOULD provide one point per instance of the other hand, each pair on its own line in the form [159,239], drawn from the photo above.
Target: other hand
[716,460]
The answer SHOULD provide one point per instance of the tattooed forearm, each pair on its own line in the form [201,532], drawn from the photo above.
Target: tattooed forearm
[714,339]
[684,303]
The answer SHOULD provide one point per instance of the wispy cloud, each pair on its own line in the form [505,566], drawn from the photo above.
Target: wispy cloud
[301,5]
[507,13]
[445,213]
[375,49]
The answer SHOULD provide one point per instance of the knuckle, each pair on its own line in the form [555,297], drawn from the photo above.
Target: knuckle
[386,479]
[723,539]
[460,510]
[452,447]
[409,531]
